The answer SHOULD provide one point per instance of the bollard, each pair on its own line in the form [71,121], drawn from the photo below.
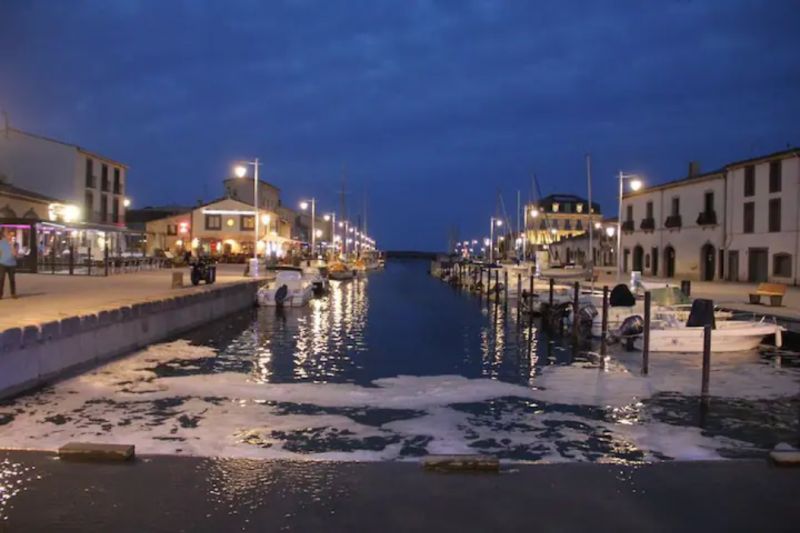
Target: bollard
[646,335]
[89,261]
[71,259]
[53,257]
[552,286]
[704,399]
[686,287]
[604,326]
[575,298]
[105,260]
[496,287]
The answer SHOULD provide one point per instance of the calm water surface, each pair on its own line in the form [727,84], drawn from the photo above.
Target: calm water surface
[399,365]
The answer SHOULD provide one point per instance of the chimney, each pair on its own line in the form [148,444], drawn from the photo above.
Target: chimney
[694,168]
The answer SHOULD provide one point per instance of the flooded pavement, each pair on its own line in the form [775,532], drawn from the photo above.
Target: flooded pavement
[200,494]
[397,366]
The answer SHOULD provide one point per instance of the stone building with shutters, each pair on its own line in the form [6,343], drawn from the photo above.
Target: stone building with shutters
[738,223]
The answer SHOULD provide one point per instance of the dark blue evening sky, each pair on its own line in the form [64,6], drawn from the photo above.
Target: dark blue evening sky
[432,107]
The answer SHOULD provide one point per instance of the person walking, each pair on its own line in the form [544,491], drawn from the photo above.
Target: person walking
[8,264]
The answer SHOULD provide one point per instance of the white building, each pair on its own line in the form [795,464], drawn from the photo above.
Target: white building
[93,183]
[722,225]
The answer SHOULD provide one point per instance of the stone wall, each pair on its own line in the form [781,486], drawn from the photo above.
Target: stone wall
[36,355]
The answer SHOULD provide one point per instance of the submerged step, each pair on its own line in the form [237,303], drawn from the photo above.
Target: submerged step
[461,463]
[93,451]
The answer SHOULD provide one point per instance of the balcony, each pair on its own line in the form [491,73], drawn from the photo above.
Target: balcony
[627,226]
[707,218]
[673,222]
[648,224]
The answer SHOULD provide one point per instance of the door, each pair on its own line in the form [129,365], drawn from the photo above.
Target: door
[733,265]
[638,259]
[669,262]
[707,255]
[654,261]
[757,265]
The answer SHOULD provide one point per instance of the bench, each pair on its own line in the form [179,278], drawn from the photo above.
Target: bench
[775,291]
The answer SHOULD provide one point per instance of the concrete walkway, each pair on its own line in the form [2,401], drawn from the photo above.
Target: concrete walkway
[45,297]
[161,493]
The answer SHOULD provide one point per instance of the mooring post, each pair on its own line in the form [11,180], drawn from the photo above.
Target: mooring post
[519,295]
[496,287]
[575,298]
[646,335]
[505,289]
[552,287]
[704,399]
[71,258]
[604,325]
[530,297]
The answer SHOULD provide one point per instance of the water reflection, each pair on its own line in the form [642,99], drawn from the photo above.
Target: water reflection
[316,343]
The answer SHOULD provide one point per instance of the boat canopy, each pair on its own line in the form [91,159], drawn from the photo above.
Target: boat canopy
[668,296]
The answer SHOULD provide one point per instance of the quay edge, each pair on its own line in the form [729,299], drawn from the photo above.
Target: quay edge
[33,356]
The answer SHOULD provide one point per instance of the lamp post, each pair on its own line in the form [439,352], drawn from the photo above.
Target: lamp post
[304,205]
[332,219]
[241,172]
[636,184]
[492,222]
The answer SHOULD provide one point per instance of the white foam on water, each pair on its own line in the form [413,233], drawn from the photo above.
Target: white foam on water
[234,415]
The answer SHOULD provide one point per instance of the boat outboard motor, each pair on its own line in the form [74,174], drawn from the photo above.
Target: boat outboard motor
[702,314]
[281,294]
[631,327]
[586,315]
[621,296]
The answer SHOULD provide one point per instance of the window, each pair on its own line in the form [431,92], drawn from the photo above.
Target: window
[775,215]
[749,217]
[782,265]
[709,202]
[117,183]
[213,221]
[247,222]
[104,177]
[115,211]
[578,224]
[676,206]
[554,224]
[775,176]
[567,224]
[172,229]
[543,224]
[89,172]
[629,213]
[89,205]
[749,180]
[649,210]
[103,208]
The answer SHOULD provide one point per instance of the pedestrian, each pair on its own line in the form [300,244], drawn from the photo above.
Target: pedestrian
[8,263]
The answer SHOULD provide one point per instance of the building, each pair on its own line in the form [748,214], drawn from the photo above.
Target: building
[225,226]
[558,216]
[573,250]
[95,184]
[728,224]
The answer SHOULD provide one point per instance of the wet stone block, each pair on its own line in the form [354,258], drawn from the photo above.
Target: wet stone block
[30,335]
[50,331]
[70,326]
[125,312]
[91,451]
[785,455]
[103,318]
[88,322]
[461,463]
[10,339]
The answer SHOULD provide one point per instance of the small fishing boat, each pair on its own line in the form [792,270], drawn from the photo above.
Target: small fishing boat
[290,289]
[670,335]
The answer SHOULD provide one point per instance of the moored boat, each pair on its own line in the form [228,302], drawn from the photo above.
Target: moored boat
[290,289]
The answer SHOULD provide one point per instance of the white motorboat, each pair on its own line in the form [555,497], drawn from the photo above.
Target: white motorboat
[290,289]
[728,336]
[314,275]
[340,272]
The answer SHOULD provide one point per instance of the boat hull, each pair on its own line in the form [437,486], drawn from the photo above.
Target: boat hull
[731,338]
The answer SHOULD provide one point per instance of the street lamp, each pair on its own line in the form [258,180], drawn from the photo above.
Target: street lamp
[304,206]
[635,184]
[126,202]
[492,222]
[241,171]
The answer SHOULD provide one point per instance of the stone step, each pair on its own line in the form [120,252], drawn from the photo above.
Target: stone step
[92,451]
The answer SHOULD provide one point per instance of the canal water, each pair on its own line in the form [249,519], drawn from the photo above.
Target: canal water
[399,365]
